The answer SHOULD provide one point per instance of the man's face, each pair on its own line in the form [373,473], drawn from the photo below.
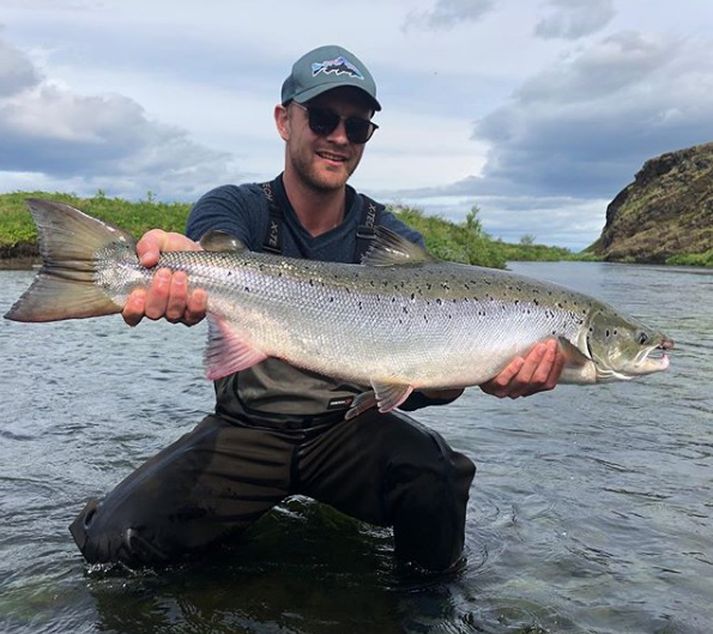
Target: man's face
[323,162]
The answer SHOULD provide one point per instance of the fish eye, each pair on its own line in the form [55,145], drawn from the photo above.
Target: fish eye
[642,338]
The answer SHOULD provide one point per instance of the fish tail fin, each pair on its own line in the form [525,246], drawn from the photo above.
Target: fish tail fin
[66,287]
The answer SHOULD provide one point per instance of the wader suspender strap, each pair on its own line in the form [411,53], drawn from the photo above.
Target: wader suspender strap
[273,237]
[370,217]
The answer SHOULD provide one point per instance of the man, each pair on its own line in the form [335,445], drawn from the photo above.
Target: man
[278,430]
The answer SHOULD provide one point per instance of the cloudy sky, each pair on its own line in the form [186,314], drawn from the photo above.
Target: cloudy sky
[537,111]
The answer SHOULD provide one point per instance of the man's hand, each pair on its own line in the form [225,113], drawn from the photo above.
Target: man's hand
[537,372]
[168,295]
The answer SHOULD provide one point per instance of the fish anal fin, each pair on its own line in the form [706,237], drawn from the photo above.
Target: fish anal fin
[227,352]
[390,395]
[216,240]
[391,249]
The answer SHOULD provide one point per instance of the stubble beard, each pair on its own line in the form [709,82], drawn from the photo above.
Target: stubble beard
[310,176]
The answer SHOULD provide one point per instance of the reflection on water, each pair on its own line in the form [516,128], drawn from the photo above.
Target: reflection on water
[591,510]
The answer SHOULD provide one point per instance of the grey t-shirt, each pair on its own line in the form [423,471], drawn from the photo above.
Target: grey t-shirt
[273,391]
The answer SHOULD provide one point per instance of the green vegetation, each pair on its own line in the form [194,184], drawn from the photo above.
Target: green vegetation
[459,242]
[692,259]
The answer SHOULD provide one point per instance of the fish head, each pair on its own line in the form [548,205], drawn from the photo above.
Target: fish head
[623,348]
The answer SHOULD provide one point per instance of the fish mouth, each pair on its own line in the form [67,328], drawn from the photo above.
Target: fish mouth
[654,358]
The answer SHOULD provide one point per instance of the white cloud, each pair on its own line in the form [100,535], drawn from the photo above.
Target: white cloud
[449,13]
[109,139]
[572,19]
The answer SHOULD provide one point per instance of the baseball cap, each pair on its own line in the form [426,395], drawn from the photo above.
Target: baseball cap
[325,68]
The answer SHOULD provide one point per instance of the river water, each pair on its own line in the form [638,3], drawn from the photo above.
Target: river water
[592,508]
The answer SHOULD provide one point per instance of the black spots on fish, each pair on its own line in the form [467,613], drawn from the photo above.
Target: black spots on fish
[372,283]
[445,286]
[425,317]
[535,302]
[246,289]
[439,301]
[311,282]
[642,338]
[606,332]
[614,332]
[393,300]
[554,333]
[465,286]
[517,301]
[331,299]
[405,310]
[486,281]
[429,286]
[413,296]
[360,305]
[230,273]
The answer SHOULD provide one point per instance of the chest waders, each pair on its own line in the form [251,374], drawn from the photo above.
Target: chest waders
[215,481]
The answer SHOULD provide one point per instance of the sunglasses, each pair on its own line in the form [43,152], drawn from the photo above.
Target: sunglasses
[323,121]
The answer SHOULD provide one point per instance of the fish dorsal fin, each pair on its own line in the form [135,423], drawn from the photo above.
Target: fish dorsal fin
[216,240]
[391,249]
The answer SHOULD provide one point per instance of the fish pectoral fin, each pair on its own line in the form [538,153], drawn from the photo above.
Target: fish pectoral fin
[226,352]
[361,403]
[391,249]
[390,395]
[575,357]
[216,240]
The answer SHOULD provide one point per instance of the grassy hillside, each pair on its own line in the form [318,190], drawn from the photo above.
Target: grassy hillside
[459,242]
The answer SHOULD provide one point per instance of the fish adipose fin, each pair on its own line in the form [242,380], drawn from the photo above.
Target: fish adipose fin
[221,241]
[65,287]
[391,249]
[227,352]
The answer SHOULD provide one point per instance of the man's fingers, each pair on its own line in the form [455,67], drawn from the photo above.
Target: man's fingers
[177,297]
[500,385]
[196,307]
[149,247]
[133,311]
[522,383]
[157,297]
[556,370]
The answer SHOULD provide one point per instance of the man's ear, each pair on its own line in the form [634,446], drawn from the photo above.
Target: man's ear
[282,121]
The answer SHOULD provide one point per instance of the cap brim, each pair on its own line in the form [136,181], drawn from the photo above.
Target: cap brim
[311,93]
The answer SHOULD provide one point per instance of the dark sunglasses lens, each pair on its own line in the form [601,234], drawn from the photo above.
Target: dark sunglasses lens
[322,122]
[358,130]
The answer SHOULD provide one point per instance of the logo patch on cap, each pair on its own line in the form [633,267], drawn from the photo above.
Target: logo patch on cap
[339,66]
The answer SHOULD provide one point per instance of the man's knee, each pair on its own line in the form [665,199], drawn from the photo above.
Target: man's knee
[102,538]
[428,486]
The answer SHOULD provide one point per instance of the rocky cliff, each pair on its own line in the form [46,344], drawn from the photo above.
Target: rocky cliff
[667,210]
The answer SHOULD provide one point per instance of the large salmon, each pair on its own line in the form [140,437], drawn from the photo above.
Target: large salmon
[398,322]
